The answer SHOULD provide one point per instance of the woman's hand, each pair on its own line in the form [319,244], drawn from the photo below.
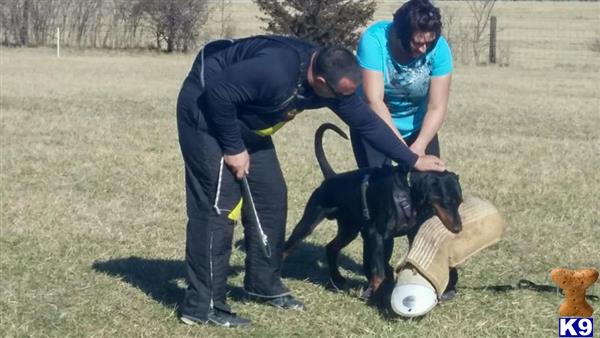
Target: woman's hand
[429,163]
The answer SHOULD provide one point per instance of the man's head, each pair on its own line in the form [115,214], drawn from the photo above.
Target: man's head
[417,26]
[335,72]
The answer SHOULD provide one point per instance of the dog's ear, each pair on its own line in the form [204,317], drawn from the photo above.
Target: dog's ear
[451,174]
[421,189]
[458,187]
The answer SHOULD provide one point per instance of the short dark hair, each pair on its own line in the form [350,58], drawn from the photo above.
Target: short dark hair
[416,15]
[334,63]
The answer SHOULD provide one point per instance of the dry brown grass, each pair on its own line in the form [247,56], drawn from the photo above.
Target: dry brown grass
[92,201]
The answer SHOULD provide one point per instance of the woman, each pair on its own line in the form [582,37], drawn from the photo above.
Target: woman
[406,68]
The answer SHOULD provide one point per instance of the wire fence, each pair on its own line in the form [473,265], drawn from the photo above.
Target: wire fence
[550,43]
[531,34]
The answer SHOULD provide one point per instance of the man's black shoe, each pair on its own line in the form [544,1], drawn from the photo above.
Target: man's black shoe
[218,318]
[286,302]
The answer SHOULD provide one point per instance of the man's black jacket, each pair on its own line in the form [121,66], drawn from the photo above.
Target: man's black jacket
[256,82]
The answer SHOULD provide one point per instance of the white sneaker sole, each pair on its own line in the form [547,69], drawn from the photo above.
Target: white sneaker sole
[189,321]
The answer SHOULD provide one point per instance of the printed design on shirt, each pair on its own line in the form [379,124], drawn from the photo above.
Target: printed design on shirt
[408,83]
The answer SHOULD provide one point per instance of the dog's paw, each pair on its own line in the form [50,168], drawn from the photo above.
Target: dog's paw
[367,293]
[448,295]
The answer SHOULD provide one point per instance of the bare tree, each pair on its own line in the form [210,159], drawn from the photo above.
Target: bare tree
[104,23]
[43,19]
[97,23]
[62,17]
[222,9]
[123,25]
[12,20]
[24,31]
[131,23]
[481,10]
[80,14]
[176,22]
[4,19]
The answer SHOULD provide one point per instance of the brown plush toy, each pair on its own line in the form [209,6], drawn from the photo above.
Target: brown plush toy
[574,283]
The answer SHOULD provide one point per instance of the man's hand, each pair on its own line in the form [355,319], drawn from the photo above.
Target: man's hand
[239,164]
[429,162]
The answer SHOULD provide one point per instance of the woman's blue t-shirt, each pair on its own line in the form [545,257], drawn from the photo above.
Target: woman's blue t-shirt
[406,86]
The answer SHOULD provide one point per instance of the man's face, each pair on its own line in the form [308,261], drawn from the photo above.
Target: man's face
[345,87]
[420,43]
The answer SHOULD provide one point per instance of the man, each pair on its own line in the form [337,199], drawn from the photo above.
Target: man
[237,94]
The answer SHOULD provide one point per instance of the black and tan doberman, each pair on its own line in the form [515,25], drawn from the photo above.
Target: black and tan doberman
[379,203]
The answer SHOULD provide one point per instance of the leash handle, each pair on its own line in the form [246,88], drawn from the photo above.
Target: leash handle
[261,234]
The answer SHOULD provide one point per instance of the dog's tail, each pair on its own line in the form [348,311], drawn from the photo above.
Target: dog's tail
[320,153]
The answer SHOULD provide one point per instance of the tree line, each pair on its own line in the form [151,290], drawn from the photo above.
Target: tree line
[170,25]
[165,25]
[177,25]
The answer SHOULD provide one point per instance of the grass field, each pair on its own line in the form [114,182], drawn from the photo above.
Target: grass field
[93,218]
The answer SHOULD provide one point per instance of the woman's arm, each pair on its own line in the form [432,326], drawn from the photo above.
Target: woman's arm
[437,107]
[373,90]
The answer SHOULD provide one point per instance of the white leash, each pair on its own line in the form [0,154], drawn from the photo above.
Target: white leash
[248,197]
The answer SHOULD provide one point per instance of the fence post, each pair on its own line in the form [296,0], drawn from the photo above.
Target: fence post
[493,39]
[57,42]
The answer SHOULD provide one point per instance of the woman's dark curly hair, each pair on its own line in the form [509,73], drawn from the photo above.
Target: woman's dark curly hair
[413,16]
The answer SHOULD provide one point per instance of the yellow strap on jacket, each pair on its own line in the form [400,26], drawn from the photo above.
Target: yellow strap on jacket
[273,129]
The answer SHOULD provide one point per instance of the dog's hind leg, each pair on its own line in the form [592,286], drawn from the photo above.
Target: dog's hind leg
[314,213]
[346,234]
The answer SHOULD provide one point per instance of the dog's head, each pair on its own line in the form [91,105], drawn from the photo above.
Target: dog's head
[437,193]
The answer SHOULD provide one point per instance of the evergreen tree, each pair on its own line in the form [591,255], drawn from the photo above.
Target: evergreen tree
[320,21]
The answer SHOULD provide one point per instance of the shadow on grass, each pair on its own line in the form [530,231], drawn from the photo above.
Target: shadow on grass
[308,263]
[155,277]
[158,277]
